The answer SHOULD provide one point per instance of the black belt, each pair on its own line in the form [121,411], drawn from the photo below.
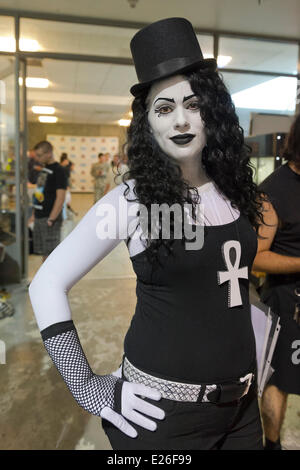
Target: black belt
[199,393]
[228,392]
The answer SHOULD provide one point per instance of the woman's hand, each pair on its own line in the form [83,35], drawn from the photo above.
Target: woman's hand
[132,406]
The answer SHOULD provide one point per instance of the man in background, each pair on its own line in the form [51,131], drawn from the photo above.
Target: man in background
[48,201]
[34,166]
[278,255]
[100,171]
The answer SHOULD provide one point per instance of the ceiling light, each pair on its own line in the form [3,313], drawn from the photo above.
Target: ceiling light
[43,109]
[34,82]
[222,60]
[8,44]
[30,45]
[124,122]
[47,118]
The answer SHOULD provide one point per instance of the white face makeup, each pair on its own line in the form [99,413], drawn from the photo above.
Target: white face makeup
[174,118]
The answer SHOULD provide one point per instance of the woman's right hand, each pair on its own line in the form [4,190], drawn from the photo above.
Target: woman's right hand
[131,408]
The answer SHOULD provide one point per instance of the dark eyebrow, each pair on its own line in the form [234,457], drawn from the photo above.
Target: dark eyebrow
[166,99]
[188,97]
[172,101]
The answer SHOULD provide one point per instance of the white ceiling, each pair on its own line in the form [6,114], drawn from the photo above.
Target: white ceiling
[83,92]
[273,17]
[99,93]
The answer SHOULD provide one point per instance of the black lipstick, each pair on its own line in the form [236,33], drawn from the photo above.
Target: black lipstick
[181,139]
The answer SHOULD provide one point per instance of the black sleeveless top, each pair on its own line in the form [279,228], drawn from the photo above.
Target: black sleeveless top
[183,328]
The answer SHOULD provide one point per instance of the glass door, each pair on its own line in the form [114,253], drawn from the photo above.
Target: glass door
[23,172]
[9,267]
[13,167]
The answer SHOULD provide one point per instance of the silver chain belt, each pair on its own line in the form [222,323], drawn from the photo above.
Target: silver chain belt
[171,390]
[176,391]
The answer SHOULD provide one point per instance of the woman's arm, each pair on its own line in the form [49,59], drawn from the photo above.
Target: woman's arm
[76,255]
[266,260]
[100,230]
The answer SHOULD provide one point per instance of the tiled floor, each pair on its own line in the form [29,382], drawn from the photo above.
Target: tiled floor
[36,409]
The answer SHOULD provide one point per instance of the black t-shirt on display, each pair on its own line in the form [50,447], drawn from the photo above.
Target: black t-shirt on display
[50,178]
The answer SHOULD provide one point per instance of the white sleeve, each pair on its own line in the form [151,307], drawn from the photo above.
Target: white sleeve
[104,226]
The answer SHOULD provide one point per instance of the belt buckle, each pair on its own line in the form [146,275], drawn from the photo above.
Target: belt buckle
[247,378]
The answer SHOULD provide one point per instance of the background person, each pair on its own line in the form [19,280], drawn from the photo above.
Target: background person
[49,198]
[113,169]
[100,171]
[34,166]
[279,256]
[66,164]
[117,170]
[122,169]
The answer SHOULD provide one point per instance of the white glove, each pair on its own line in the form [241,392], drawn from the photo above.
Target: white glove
[131,405]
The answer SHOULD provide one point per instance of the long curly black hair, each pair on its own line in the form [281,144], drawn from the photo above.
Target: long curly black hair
[226,158]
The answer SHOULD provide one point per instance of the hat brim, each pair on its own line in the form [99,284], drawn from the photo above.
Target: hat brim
[203,63]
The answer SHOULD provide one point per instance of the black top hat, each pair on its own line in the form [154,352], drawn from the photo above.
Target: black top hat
[165,48]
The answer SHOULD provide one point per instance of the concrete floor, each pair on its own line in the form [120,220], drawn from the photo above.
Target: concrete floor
[36,409]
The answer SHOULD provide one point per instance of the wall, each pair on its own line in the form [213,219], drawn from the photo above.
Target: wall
[262,123]
[37,131]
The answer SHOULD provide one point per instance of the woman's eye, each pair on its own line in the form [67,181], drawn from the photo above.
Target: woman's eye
[193,105]
[163,110]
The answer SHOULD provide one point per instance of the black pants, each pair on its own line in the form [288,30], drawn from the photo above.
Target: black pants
[197,426]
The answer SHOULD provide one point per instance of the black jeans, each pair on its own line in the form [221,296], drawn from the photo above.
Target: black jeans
[197,426]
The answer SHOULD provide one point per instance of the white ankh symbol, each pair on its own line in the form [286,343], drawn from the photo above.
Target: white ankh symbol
[234,273]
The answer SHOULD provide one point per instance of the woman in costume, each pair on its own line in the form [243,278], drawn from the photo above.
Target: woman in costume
[187,379]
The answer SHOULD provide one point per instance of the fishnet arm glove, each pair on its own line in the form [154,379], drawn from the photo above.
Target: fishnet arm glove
[92,392]
[107,396]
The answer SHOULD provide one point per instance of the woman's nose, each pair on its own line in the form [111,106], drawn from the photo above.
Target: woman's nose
[180,119]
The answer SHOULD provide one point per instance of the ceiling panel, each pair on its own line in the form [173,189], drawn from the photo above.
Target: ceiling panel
[75,38]
[260,55]
[94,92]
[83,92]
[119,79]
[274,17]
